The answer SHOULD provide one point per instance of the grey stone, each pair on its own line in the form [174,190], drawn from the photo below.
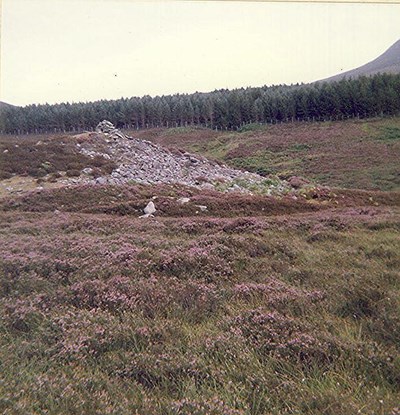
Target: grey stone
[107,128]
[202,207]
[87,170]
[183,200]
[101,180]
[146,215]
[150,208]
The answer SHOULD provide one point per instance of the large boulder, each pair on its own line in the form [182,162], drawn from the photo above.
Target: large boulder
[150,208]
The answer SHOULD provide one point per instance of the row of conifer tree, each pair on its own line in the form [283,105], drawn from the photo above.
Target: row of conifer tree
[221,109]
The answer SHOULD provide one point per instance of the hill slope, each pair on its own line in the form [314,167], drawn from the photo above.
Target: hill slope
[360,154]
[388,62]
[4,105]
[254,305]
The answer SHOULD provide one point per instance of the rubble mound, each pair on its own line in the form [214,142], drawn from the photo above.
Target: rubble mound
[142,161]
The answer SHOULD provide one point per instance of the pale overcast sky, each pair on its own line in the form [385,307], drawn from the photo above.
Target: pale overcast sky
[69,50]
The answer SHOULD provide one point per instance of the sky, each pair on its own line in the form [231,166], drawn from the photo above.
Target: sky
[85,50]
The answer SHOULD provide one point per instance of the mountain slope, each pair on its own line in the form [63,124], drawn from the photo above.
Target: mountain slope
[388,62]
[5,105]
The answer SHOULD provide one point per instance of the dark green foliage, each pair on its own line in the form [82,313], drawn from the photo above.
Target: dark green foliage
[222,109]
[389,134]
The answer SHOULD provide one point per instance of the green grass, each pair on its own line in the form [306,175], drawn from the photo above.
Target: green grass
[389,134]
[217,148]
[252,127]
[181,130]
[267,162]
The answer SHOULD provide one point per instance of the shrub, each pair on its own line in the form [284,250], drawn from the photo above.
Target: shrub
[115,294]
[5,175]
[73,173]
[197,262]
[23,315]
[47,155]
[53,177]
[283,337]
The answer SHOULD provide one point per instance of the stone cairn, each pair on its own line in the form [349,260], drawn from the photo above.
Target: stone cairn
[107,128]
[144,162]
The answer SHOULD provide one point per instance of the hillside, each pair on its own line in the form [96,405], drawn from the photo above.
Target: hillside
[388,62]
[362,154]
[115,158]
[4,105]
[229,300]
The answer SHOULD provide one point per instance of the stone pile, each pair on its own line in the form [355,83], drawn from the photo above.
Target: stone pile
[144,162]
[108,129]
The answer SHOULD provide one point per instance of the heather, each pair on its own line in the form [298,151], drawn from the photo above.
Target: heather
[44,155]
[353,154]
[257,306]
[130,200]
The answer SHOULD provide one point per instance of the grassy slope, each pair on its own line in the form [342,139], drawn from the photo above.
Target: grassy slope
[362,154]
[295,310]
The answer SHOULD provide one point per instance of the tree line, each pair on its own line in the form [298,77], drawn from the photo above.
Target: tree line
[221,109]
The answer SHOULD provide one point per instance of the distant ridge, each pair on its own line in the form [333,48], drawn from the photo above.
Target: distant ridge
[388,62]
[5,105]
